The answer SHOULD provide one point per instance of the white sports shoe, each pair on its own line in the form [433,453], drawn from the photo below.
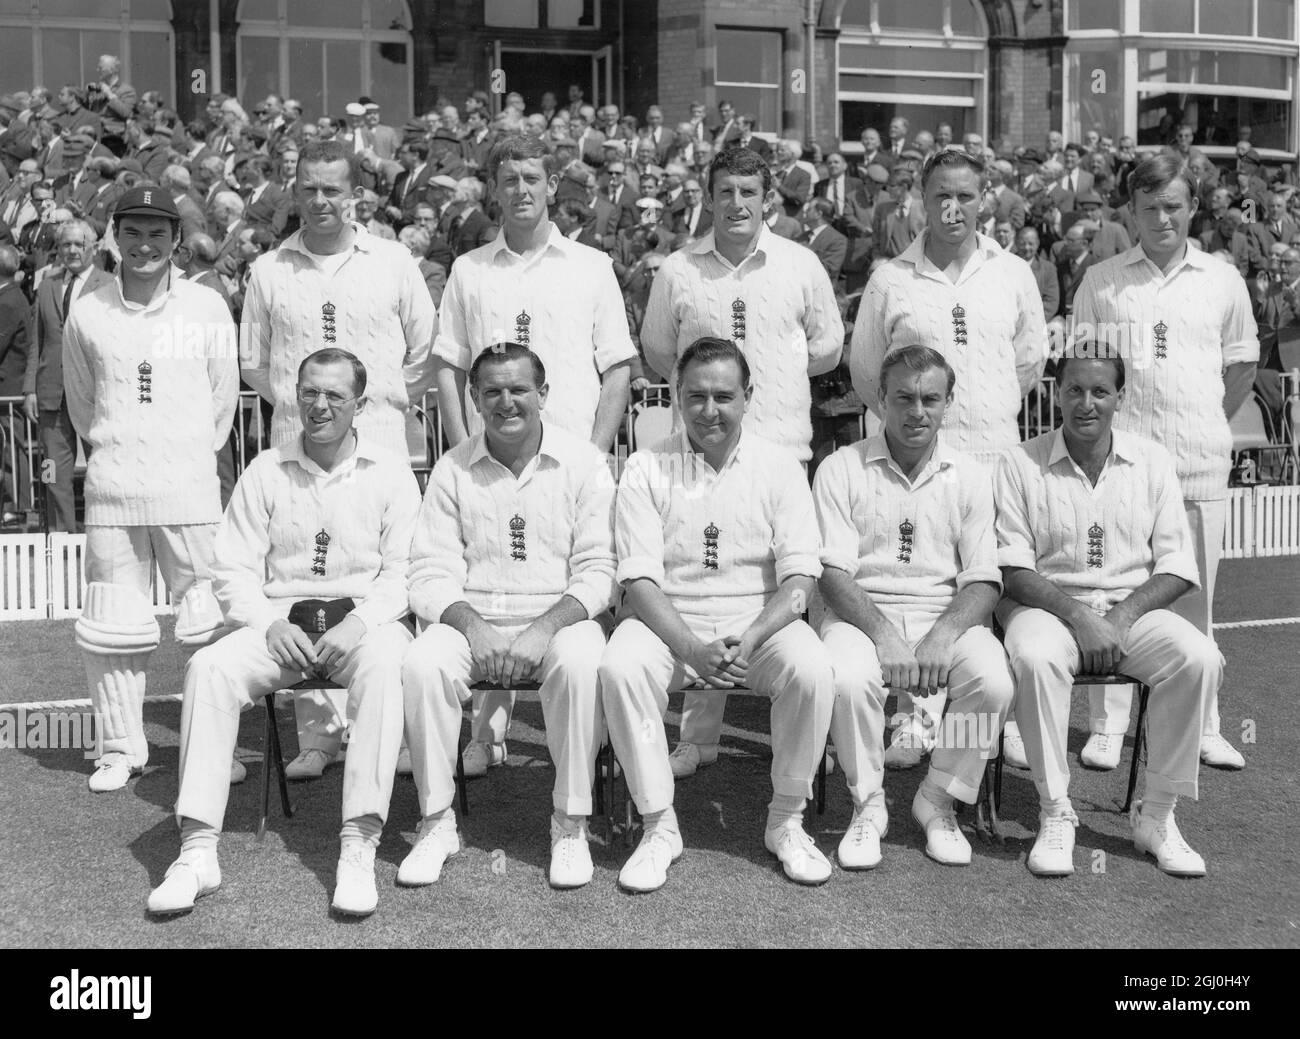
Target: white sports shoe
[570,856]
[1013,746]
[647,869]
[1053,851]
[434,845]
[944,841]
[1102,751]
[190,877]
[909,745]
[802,861]
[1219,753]
[310,764]
[688,758]
[1163,840]
[111,773]
[354,880]
[479,757]
[860,846]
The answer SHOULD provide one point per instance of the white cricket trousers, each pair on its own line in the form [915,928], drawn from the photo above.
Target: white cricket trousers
[1180,664]
[639,671]
[125,556]
[1109,706]
[979,696]
[436,677]
[233,673]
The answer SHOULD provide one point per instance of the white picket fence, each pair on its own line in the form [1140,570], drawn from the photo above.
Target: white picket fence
[43,577]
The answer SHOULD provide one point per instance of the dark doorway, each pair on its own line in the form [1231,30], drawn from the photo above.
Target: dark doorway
[535,72]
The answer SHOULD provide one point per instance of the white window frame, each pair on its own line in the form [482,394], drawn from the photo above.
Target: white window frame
[281,28]
[35,22]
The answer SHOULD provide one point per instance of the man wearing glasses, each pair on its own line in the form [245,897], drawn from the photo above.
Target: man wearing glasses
[316,539]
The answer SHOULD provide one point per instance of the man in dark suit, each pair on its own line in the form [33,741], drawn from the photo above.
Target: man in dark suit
[1074,182]
[145,148]
[1045,274]
[477,142]
[748,139]
[15,345]
[410,187]
[728,129]
[828,244]
[471,227]
[107,192]
[837,185]
[43,383]
[1263,233]
[612,181]
[793,184]
[873,153]
[898,219]
[1008,205]
[694,219]
[659,136]
[176,182]
[1075,261]
[266,204]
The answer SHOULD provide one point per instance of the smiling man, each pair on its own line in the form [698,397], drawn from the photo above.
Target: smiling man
[1095,547]
[513,558]
[311,572]
[956,291]
[717,556]
[150,385]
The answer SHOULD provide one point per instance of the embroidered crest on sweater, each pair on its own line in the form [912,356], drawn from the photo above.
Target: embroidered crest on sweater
[144,381]
[522,321]
[1161,343]
[328,330]
[518,549]
[959,325]
[322,547]
[711,547]
[738,320]
[1096,546]
[905,532]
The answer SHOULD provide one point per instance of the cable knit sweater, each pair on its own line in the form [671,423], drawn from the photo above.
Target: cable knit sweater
[293,531]
[1175,399]
[376,305]
[779,308]
[989,326]
[152,388]
[511,547]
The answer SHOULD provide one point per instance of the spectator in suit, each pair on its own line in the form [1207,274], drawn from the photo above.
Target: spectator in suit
[226,222]
[1272,227]
[1076,258]
[175,181]
[477,142]
[190,144]
[1008,204]
[73,118]
[576,222]
[702,154]
[1108,238]
[873,153]
[830,246]
[196,256]
[1074,182]
[113,102]
[588,140]
[791,182]
[384,140]
[748,139]
[102,173]
[16,209]
[898,220]
[266,204]
[897,135]
[416,239]
[942,136]
[15,344]
[780,224]
[145,148]
[695,219]
[410,186]
[1205,224]
[659,136]
[1005,235]
[1045,274]
[837,185]
[471,227]
[728,130]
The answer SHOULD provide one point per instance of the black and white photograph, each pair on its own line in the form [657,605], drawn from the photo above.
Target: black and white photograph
[651,474]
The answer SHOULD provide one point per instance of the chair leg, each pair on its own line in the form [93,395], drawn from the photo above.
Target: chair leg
[462,788]
[279,761]
[1139,746]
[267,764]
[821,785]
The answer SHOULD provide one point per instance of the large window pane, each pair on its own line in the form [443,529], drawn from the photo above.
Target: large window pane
[856,12]
[1227,17]
[520,14]
[70,55]
[16,57]
[1166,16]
[748,57]
[1277,19]
[337,14]
[151,67]
[307,76]
[912,14]
[111,9]
[965,22]
[761,102]
[343,80]
[21,7]
[388,80]
[1102,109]
[1095,14]
[259,58]
[856,116]
[1218,119]
[259,10]
[1220,67]
[571,14]
[911,60]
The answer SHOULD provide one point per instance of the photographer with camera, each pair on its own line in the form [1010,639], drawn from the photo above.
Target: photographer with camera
[113,101]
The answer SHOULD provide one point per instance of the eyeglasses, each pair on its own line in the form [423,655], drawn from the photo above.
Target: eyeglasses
[308,398]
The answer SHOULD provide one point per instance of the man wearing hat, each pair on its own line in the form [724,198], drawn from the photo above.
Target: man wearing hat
[151,385]
[1029,184]
[1108,238]
[311,575]
[384,140]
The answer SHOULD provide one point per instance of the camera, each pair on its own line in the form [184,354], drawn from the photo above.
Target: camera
[92,88]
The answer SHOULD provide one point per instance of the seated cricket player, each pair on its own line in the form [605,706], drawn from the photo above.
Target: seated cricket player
[513,558]
[1095,547]
[910,578]
[717,548]
[326,519]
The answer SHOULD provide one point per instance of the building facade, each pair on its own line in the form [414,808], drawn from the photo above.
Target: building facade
[823,69]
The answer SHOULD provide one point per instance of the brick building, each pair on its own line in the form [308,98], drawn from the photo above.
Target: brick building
[822,69]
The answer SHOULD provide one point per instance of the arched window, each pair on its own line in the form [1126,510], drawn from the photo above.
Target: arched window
[53,42]
[923,60]
[326,53]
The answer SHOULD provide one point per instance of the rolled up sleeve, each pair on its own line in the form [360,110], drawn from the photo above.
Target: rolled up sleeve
[977,544]
[840,539]
[239,553]
[795,541]
[1240,334]
[638,528]
[437,575]
[452,344]
[609,334]
[1015,536]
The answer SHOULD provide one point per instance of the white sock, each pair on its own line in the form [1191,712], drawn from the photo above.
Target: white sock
[1158,806]
[197,838]
[667,819]
[364,829]
[784,809]
[936,795]
[1055,807]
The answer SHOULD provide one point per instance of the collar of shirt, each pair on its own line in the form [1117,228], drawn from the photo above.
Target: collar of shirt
[812,235]
[258,192]
[553,449]
[161,294]
[415,173]
[502,253]
[1194,258]
[682,442]
[1122,449]
[708,244]
[363,241]
[986,248]
[295,451]
[941,458]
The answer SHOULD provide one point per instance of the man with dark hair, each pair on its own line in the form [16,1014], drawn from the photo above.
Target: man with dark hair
[1182,320]
[266,204]
[16,348]
[777,301]
[898,221]
[310,572]
[513,559]
[829,246]
[409,187]
[717,550]
[1074,181]
[144,148]
[1090,590]
[909,610]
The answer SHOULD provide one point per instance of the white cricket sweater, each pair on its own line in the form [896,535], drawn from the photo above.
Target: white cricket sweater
[293,531]
[152,388]
[989,326]
[511,547]
[375,305]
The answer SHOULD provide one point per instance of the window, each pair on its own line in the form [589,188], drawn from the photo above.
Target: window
[535,14]
[1264,19]
[949,17]
[1095,89]
[749,74]
[326,53]
[1095,14]
[52,42]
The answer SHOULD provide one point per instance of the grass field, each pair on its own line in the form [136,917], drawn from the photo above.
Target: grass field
[75,867]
